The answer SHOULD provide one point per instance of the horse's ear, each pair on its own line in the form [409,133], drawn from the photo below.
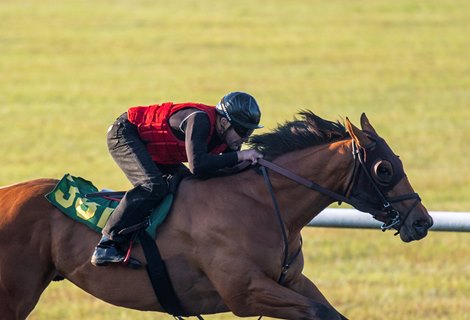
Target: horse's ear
[357,135]
[365,124]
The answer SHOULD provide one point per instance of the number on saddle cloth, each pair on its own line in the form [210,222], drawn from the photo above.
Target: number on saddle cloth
[80,200]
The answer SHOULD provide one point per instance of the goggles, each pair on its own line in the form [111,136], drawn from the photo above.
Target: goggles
[242,131]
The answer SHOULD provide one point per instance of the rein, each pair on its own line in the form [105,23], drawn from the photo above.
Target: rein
[388,212]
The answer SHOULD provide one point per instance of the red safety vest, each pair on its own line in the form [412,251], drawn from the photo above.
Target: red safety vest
[154,129]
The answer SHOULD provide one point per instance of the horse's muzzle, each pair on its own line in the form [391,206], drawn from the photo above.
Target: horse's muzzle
[422,226]
[417,230]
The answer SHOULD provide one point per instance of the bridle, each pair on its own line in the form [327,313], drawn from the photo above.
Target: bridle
[388,214]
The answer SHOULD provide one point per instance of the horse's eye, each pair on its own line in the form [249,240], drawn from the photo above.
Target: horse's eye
[383,172]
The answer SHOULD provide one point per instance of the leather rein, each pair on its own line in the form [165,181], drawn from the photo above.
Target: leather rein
[388,213]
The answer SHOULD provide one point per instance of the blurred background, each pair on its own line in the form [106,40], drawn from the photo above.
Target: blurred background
[69,68]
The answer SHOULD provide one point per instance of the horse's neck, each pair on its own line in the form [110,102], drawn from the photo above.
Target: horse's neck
[329,165]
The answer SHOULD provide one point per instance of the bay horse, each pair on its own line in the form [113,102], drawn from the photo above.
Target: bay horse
[221,243]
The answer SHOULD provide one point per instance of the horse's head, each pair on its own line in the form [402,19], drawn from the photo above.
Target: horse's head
[381,186]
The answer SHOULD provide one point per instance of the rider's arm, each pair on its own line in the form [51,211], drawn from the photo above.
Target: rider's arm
[201,163]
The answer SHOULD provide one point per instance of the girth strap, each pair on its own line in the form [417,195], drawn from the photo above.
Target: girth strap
[159,277]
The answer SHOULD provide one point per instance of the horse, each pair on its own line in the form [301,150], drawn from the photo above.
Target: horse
[223,247]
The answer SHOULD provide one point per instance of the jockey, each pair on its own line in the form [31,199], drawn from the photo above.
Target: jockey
[150,142]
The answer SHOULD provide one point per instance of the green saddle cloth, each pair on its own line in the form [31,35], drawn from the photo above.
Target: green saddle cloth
[69,197]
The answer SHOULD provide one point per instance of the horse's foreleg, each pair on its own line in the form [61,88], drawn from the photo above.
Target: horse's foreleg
[307,288]
[266,297]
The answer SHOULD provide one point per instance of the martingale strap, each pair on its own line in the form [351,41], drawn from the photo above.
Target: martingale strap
[286,263]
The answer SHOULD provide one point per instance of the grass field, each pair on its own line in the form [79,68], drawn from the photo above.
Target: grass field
[68,68]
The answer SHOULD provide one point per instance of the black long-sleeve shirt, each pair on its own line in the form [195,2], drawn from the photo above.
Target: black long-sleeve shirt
[193,126]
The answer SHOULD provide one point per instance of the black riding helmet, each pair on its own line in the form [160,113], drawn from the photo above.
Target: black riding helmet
[242,110]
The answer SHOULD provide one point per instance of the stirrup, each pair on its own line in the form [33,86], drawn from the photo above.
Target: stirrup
[136,227]
[128,260]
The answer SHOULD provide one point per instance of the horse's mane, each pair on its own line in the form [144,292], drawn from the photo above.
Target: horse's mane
[310,130]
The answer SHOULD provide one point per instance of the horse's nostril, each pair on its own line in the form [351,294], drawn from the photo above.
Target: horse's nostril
[422,225]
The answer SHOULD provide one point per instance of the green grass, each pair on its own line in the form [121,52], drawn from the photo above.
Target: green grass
[68,68]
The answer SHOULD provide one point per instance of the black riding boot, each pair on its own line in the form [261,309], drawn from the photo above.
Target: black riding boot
[107,251]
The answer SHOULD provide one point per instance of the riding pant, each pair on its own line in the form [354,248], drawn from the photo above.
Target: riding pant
[150,186]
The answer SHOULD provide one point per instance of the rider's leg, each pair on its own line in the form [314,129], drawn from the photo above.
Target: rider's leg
[150,187]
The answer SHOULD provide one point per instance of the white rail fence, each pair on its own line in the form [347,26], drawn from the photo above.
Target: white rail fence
[351,218]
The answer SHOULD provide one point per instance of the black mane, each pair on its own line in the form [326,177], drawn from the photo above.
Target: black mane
[310,130]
